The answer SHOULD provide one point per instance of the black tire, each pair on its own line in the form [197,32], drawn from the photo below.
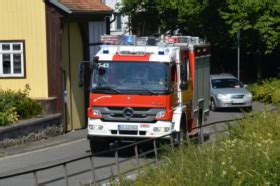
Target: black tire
[246,109]
[213,106]
[179,137]
[249,109]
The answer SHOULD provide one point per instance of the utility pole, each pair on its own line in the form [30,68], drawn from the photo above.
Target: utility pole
[238,54]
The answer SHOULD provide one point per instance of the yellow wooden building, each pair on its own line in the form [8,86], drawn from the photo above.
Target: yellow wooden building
[42,43]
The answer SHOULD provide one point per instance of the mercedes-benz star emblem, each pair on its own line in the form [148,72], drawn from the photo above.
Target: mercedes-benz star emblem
[128,112]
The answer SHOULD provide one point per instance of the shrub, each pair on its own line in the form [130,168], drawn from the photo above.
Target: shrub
[16,105]
[8,116]
[266,91]
[276,97]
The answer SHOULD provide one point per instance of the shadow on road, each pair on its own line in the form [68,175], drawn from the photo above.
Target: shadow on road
[235,110]
[126,152]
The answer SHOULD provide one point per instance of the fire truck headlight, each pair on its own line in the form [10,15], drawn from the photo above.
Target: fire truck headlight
[96,113]
[161,129]
[90,127]
[95,127]
[160,114]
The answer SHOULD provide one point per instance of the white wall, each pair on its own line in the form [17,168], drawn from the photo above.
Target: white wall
[124,19]
[96,29]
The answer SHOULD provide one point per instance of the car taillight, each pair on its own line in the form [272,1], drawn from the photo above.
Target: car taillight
[94,113]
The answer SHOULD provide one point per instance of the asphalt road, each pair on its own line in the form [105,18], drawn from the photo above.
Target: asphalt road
[79,146]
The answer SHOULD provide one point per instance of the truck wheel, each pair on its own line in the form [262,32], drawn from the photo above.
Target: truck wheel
[179,137]
[213,105]
[96,146]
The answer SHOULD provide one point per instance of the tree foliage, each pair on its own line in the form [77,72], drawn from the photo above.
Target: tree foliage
[218,21]
[259,20]
[143,16]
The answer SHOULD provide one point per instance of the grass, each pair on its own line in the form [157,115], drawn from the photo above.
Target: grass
[2,154]
[249,155]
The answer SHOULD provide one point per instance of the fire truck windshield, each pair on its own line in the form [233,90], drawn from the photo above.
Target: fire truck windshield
[131,77]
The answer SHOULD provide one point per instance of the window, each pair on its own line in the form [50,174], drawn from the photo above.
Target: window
[133,77]
[119,22]
[226,83]
[11,59]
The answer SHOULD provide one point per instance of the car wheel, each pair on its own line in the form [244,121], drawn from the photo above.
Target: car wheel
[213,105]
[250,109]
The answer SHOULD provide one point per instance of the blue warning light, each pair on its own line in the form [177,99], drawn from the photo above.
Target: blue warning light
[105,49]
[161,51]
[129,40]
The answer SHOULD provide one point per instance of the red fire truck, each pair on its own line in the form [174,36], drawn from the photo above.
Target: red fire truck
[146,87]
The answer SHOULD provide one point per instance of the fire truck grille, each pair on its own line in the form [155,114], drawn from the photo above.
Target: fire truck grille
[127,114]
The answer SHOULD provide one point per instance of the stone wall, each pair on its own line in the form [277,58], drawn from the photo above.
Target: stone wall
[31,130]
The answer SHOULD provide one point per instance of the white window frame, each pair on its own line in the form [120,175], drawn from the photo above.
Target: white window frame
[12,52]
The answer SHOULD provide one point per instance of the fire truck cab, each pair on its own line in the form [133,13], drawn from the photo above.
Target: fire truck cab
[146,88]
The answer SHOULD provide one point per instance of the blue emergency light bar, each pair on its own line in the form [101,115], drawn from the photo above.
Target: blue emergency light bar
[129,40]
[118,39]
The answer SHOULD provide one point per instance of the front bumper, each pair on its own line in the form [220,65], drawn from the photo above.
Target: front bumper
[230,103]
[99,128]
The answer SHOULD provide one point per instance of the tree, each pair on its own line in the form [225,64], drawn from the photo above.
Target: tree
[143,15]
[190,17]
[217,21]
[259,23]
[259,20]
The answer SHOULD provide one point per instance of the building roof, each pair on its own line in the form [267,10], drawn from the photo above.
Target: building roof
[81,6]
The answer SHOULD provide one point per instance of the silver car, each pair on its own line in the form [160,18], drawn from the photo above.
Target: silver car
[227,91]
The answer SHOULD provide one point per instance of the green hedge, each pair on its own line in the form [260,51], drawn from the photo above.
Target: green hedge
[249,155]
[15,105]
[267,91]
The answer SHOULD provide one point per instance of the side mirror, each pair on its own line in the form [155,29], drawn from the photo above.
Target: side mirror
[184,75]
[95,59]
[183,71]
[85,71]
[101,71]
[184,86]
[81,75]
[85,68]
[94,63]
